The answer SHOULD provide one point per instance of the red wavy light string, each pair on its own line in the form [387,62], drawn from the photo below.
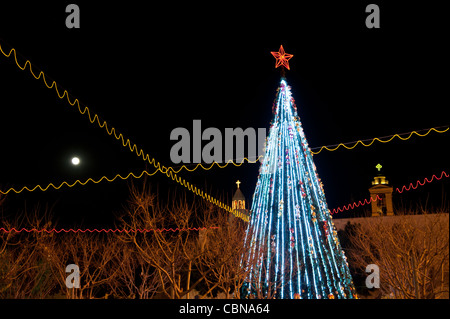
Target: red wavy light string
[404,188]
[421,184]
[334,211]
[54,230]
[354,204]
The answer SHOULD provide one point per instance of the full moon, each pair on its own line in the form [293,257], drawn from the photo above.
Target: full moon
[75,160]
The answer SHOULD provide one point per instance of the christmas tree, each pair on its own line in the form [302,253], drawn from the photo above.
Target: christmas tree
[293,248]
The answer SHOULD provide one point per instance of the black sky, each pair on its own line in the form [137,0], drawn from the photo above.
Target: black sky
[147,69]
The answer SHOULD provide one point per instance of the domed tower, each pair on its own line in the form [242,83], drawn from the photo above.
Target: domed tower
[383,205]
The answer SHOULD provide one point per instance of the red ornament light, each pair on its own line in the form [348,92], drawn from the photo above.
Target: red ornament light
[282,58]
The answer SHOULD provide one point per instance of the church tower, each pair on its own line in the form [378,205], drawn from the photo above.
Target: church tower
[383,205]
[238,198]
[238,201]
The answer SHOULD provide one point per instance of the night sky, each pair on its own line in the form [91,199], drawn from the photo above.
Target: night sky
[149,69]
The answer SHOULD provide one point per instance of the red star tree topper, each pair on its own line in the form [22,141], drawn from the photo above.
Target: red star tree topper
[282,58]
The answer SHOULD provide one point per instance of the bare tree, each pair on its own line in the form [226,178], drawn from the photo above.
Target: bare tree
[96,256]
[135,277]
[222,252]
[24,271]
[163,242]
[411,252]
[159,254]
[182,259]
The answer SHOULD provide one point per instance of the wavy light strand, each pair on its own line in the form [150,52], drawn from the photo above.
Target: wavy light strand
[102,230]
[77,182]
[388,139]
[355,204]
[169,171]
[426,180]
[131,146]
[398,190]
[140,152]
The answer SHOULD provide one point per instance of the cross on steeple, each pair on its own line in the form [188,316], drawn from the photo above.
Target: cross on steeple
[238,183]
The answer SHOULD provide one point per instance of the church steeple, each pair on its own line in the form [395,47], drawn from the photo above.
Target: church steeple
[238,200]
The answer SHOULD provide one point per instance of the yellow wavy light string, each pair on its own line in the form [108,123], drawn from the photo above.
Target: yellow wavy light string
[170,171]
[321,148]
[164,169]
[131,146]
[140,153]
[89,180]
[170,174]
[356,143]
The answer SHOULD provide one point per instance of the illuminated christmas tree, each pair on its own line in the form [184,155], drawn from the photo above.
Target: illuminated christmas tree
[293,248]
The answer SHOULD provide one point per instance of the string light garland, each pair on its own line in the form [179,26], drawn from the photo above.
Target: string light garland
[77,182]
[131,146]
[398,190]
[291,234]
[331,148]
[102,230]
[85,111]
[282,59]
[333,212]
[349,206]
[354,205]
[418,182]
[152,161]
[170,174]
[388,139]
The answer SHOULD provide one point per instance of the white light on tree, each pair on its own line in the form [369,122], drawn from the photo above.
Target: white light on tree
[293,248]
[75,160]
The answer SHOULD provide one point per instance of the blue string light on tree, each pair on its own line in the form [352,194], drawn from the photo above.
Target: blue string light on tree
[293,248]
